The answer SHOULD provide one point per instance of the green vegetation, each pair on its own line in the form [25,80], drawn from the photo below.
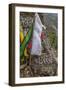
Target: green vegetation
[53,39]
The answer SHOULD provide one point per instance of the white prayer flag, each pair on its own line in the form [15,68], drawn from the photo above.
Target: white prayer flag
[36,40]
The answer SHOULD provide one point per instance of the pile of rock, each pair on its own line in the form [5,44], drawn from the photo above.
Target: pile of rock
[44,65]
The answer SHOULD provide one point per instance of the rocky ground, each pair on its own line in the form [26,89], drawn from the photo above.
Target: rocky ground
[40,66]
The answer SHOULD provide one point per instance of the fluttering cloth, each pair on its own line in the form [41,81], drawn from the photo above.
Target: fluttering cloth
[36,39]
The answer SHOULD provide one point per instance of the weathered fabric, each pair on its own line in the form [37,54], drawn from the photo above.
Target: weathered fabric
[36,40]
